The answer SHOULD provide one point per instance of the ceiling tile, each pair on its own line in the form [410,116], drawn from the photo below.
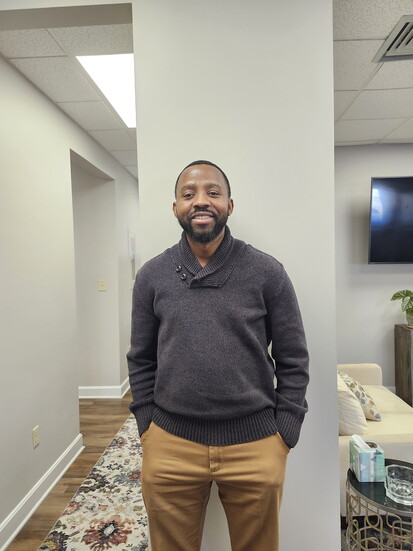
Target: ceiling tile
[113,140]
[353,65]
[57,77]
[403,132]
[126,157]
[393,74]
[361,130]
[92,115]
[342,100]
[368,19]
[382,104]
[28,43]
[95,40]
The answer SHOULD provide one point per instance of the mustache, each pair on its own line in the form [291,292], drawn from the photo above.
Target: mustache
[198,210]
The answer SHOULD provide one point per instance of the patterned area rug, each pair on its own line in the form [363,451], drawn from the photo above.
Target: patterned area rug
[107,512]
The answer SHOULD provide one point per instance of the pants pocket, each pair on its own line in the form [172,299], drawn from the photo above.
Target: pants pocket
[145,434]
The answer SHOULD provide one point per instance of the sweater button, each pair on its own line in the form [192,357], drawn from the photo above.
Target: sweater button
[178,268]
[183,277]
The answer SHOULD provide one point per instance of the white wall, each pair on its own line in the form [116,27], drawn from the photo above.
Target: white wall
[105,214]
[38,342]
[94,214]
[37,322]
[365,315]
[227,82]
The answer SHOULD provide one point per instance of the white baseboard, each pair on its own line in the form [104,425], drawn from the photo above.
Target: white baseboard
[125,386]
[15,521]
[118,391]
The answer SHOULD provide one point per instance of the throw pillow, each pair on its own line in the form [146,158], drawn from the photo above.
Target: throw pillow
[350,414]
[369,407]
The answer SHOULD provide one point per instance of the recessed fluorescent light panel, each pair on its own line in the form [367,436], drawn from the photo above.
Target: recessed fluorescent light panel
[115,77]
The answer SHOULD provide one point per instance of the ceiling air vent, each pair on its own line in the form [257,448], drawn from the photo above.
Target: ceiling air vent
[399,45]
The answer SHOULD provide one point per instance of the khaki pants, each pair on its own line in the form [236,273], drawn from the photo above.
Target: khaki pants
[176,480]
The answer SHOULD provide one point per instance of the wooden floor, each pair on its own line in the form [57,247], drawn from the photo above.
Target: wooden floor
[100,420]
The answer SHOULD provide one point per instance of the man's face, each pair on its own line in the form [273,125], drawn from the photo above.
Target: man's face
[202,204]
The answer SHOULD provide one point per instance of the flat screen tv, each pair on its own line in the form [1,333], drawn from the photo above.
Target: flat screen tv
[391,221]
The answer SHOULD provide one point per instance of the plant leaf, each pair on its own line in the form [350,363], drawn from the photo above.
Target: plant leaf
[407,303]
[402,294]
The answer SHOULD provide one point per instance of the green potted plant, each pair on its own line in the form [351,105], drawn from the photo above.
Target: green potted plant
[407,304]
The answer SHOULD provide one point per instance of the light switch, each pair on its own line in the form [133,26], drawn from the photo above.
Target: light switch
[102,285]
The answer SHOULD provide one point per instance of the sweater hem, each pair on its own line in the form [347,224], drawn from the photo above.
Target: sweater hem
[226,432]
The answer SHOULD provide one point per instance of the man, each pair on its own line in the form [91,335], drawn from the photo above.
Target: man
[204,315]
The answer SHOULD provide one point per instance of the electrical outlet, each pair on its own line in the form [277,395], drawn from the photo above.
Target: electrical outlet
[36,436]
[102,285]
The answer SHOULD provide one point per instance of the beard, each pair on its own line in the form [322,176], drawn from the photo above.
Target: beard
[204,236]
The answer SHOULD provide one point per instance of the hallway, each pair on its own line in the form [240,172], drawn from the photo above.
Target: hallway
[100,420]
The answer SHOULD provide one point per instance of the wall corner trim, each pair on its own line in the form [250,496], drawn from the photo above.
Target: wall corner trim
[116,391]
[15,521]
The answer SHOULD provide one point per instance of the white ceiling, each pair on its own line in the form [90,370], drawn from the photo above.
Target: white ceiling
[373,101]
[43,48]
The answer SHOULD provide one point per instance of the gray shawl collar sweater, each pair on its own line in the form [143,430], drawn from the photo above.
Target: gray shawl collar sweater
[199,365]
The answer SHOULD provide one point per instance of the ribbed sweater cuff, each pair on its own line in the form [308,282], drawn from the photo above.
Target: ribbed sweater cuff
[143,416]
[289,427]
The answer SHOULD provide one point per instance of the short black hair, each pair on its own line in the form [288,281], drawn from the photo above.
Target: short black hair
[203,162]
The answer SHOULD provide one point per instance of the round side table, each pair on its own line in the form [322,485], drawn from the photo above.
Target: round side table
[374,521]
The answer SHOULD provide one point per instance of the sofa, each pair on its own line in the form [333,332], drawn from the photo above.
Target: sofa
[394,432]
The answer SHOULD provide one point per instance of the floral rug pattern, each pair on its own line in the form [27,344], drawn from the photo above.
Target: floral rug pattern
[107,512]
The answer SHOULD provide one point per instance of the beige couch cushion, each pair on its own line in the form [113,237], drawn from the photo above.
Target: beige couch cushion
[386,401]
[392,423]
